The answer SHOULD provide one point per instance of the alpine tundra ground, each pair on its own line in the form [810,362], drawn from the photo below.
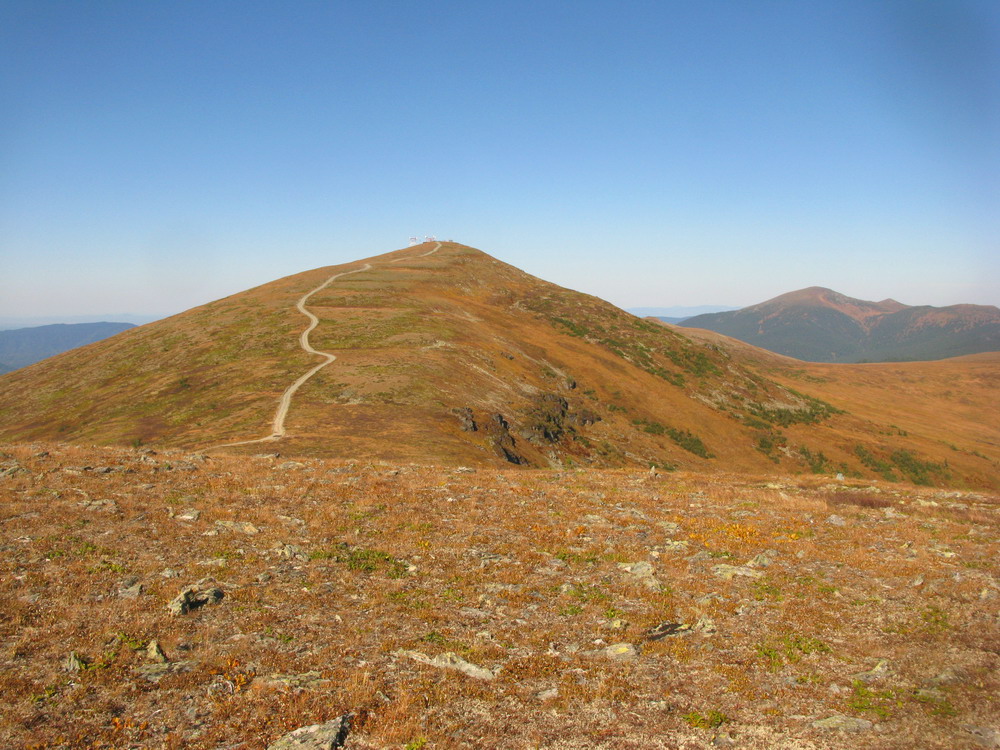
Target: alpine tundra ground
[173,600]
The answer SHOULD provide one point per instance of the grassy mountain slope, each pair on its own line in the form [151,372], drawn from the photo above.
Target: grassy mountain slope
[25,346]
[820,325]
[452,358]
[946,410]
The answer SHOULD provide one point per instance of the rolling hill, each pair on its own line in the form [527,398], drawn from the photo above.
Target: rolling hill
[447,355]
[25,346]
[821,325]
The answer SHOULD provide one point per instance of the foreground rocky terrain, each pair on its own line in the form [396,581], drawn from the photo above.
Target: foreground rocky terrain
[158,599]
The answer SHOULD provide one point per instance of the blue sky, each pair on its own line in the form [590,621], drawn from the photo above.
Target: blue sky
[157,155]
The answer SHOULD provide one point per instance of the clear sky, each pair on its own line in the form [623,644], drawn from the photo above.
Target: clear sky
[158,155]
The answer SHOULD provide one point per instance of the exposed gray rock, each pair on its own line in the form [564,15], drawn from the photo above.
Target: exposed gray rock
[466,420]
[836,521]
[244,527]
[621,652]
[329,736]
[74,662]
[642,571]
[878,672]
[193,597]
[303,681]
[450,660]
[666,628]
[154,653]
[158,670]
[985,736]
[843,723]
[764,559]
[131,592]
[728,572]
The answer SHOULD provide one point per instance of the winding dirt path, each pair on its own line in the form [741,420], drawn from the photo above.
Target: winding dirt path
[278,425]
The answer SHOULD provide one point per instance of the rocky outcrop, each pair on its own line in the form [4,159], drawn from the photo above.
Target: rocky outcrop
[502,442]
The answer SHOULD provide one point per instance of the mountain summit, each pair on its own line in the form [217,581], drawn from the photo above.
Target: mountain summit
[820,325]
[442,354]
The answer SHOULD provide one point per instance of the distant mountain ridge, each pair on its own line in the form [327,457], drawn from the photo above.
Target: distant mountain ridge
[820,325]
[25,346]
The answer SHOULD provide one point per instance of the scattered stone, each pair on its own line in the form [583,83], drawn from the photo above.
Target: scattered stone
[948,676]
[74,662]
[154,653]
[450,660]
[193,597]
[705,625]
[878,672]
[130,589]
[473,612]
[157,671]
[617,624]
[303,681]
[289,552]
[244,527]
[728,572]
[985,736]
[644,572]
[108,506]
[466,420]
[672,545]
[188,515]
[664,629]
[291,465]
[329,736]
[843,723]
[465,470]
[836,521]
[622,652]
[546,695]
[764,559]
[169,573]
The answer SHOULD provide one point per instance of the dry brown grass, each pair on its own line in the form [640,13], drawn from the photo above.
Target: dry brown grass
[515,571]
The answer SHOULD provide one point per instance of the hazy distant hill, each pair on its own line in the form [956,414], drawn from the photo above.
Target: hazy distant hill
[25,346]
[821,325]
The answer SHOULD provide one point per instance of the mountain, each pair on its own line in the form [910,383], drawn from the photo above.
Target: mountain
[680,311]
[24,346]
[821,325]
[446,355]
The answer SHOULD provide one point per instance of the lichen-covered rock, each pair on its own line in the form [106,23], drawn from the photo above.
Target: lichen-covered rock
[843,723]
[328,736]
[193,597]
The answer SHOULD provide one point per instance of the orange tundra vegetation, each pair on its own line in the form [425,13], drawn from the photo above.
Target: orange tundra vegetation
[506,515]
[601,608]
